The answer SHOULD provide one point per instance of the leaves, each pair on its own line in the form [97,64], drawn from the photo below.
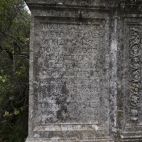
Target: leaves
[14,64]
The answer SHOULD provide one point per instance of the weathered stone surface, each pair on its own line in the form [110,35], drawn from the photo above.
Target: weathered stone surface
[85,71]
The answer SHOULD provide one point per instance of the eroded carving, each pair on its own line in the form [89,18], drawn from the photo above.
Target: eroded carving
[135,79]
[131,5]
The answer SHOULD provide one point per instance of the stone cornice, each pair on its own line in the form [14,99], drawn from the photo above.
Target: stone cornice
[73,4]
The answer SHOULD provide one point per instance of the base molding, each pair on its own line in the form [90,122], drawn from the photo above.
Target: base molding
[69,140]
[131,137]
[68,132]
[132,134]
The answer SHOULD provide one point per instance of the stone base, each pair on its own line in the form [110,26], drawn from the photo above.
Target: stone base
[70,133]
[69,140]
[132,134]
[132,138]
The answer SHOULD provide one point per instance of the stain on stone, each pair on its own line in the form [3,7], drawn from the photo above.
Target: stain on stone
[64,89]
[91,73]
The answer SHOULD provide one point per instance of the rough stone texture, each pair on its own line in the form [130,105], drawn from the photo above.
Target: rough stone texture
[85,71]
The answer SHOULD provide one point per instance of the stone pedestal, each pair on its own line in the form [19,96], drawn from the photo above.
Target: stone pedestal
[85,71]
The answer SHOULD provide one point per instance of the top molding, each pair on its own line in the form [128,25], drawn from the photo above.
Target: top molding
[72,3]
[127,6]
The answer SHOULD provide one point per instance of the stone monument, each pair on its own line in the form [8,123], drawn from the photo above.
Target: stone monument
[85,71]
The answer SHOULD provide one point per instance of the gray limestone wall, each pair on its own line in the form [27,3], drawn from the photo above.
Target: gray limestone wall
[85,71]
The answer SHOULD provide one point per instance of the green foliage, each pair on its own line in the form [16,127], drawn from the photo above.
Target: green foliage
[14,41]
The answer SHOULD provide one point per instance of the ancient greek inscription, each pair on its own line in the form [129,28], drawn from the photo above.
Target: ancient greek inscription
[67,73]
